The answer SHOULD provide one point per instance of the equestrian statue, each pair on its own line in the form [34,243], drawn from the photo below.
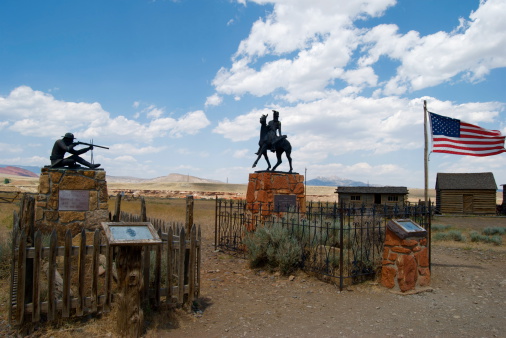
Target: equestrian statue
[270,140]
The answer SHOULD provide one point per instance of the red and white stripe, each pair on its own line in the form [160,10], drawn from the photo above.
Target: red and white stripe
[473,141]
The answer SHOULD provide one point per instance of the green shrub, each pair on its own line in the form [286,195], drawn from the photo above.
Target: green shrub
[494,231]
[476,237]
[436,227]
[7,181]
[452,235]
[272,246]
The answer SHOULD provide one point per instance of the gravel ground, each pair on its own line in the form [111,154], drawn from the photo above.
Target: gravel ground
[467,299]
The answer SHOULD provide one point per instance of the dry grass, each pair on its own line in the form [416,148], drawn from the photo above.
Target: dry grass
[173,210]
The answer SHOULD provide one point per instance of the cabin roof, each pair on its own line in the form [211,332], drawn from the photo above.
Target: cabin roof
[372,190]
[465,181]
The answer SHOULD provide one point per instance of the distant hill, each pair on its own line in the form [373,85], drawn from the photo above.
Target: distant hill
[163,179]
[335,181]
[19,171]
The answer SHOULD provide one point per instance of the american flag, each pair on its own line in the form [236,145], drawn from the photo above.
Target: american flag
[454,136]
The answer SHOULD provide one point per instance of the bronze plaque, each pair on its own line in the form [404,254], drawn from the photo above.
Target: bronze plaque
[284,202]
[74,200]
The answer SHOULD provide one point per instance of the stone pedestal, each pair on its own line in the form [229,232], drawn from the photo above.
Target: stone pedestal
[72,199]
[271,193]
[405,263]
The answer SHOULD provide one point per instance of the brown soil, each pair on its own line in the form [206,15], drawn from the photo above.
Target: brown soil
[467,299]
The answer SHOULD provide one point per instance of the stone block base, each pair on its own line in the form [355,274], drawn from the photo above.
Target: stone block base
[266,188]
[405,263]
[90,190]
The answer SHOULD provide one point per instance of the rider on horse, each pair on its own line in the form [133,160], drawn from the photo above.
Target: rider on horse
[271,137]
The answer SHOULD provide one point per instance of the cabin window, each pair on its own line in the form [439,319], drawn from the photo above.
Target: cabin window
[393,198]
[355,197]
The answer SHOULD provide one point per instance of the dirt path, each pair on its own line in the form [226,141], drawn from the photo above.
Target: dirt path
[468,299]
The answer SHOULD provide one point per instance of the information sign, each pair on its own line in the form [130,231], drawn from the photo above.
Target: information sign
[131,233]
[406,228]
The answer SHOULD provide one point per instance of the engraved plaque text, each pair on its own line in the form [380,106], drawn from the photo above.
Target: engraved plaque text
[284,202]
[74,200]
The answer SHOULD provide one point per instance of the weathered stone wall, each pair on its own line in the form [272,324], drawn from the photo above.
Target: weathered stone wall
[48,215]
[405,263]
[263,186]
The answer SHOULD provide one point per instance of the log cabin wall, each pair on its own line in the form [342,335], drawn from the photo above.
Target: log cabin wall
[466,201]
[466,193]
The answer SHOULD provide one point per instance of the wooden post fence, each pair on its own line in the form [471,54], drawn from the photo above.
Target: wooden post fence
[70,290]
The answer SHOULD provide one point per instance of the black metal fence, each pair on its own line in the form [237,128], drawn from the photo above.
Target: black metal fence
[342,244]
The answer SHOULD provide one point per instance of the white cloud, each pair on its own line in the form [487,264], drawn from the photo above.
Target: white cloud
[31,112]
[470,51]
[311,43]
[153,112]
[480,164]
[10,148]
[135,149]
[214,100]
[242,153]
[19,160]
[241,128]
[299,50]
[339,125]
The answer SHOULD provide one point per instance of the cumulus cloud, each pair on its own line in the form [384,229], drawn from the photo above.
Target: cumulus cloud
[32,112]
[339,125]
[469,52]
[10,148]
[242,127]
[242,153]
[300,49]
[135,149]
[214,100]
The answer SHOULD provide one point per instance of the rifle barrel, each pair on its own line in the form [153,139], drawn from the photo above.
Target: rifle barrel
[90,144]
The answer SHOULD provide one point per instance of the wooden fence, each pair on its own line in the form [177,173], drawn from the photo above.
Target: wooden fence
[50,281]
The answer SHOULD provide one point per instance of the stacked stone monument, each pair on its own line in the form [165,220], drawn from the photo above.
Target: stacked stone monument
[71,199]
[71,196]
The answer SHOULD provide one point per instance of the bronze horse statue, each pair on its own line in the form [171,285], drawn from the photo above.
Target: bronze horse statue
[279,146]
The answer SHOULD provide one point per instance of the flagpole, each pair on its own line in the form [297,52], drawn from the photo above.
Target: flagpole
[426,153]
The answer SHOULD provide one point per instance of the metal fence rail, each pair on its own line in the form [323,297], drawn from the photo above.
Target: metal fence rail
[342,244]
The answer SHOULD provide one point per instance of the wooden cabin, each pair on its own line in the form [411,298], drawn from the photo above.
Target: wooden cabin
[473,193]
[370,196]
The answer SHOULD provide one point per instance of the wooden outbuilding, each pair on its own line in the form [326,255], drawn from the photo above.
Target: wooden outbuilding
[466,193]
[370,196]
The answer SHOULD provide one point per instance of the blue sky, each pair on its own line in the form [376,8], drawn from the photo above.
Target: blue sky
[179,86]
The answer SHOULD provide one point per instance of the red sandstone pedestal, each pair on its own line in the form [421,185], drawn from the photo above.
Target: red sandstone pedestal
[405,262]
[266,188]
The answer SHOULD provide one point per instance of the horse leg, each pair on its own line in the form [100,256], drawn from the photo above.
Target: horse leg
[289,157]
[267,159]
[263,151]
[255,163]
[278,155]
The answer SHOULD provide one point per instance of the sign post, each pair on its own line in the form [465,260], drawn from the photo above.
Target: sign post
[130,237]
